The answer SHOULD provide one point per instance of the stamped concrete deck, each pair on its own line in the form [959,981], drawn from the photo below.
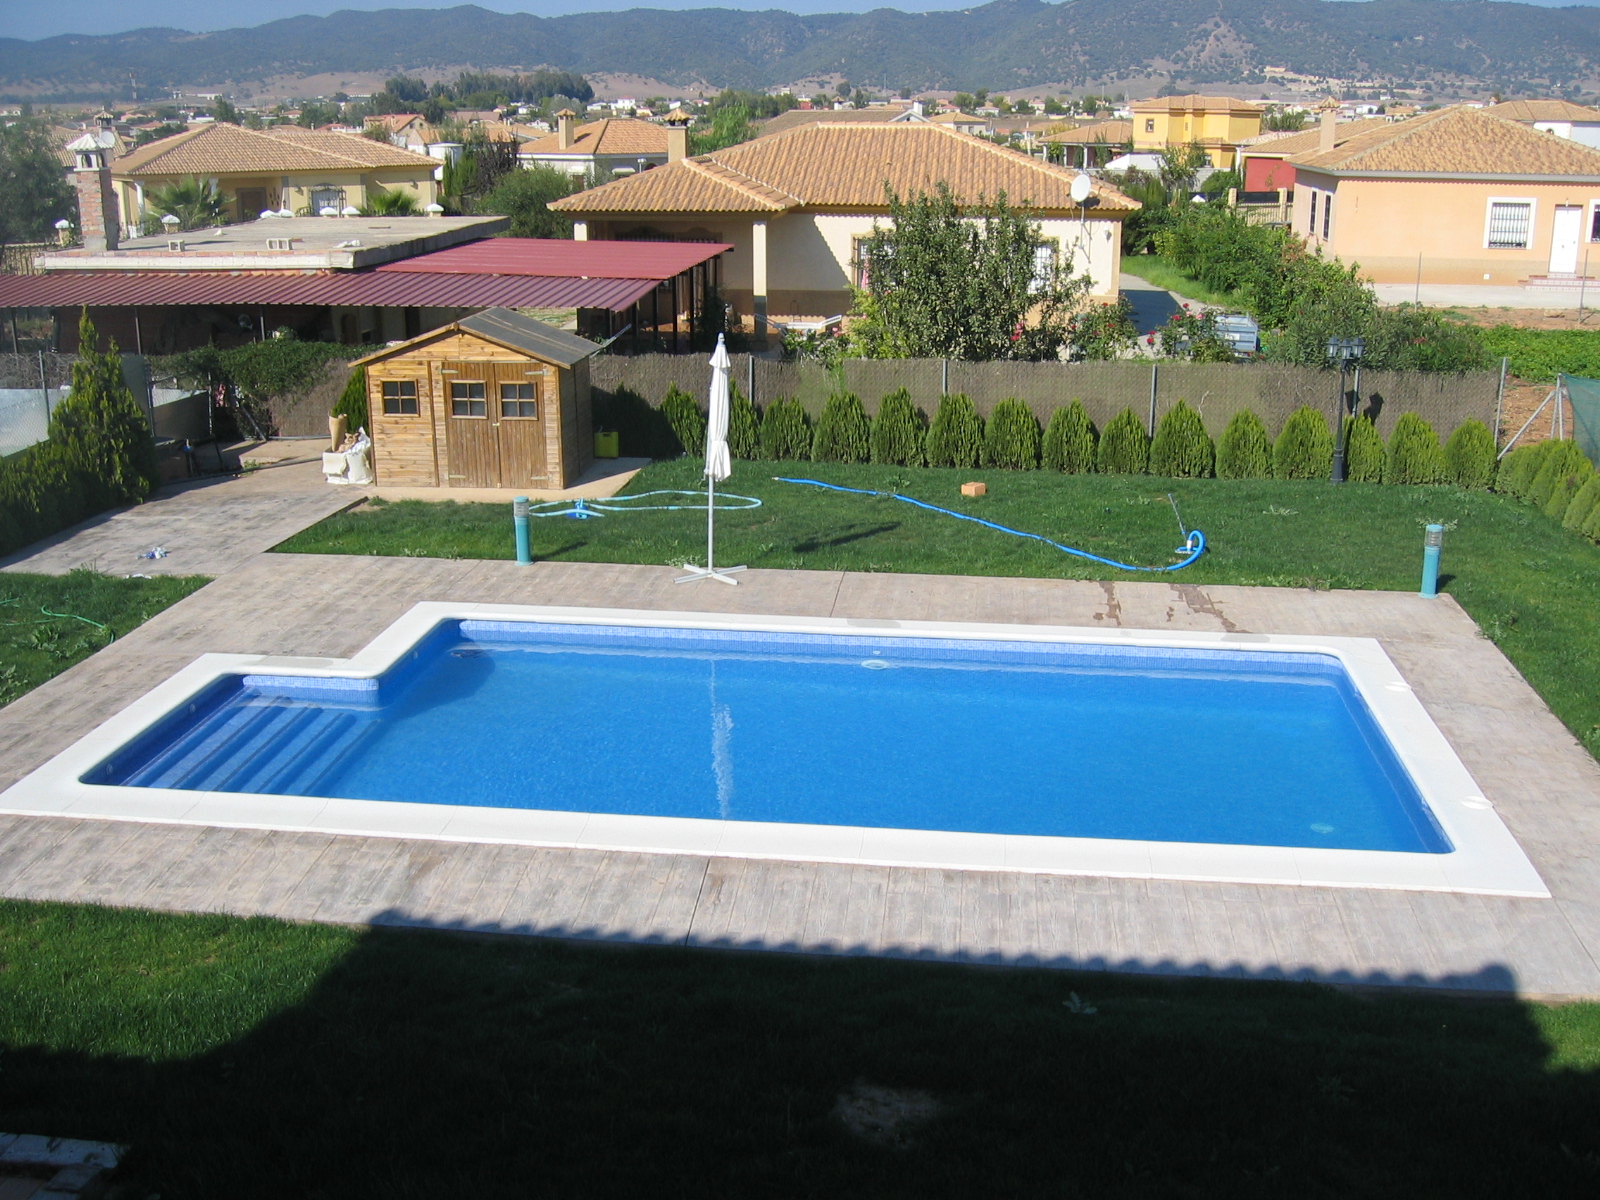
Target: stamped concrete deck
[1544,784]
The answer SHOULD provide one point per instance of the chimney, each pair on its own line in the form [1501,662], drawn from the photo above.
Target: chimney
[97,203]
[677,123]
[918,108]
[564,120]
[1327,137]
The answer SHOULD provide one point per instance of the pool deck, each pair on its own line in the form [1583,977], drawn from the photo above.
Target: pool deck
[1545,786]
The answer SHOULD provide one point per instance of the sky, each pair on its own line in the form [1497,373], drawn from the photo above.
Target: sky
[33,19]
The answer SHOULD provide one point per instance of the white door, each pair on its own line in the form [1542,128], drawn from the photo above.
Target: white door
[1564,237]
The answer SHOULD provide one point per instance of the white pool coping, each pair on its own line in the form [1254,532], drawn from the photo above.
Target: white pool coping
[1486,860]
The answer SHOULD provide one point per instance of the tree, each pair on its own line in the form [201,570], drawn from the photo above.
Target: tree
[1180,164]
[223,110]
[730,125]
[525,196]
[194,202]
[101,424]
[948,280]
[33,193]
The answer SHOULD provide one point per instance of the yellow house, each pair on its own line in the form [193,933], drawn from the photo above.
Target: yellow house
[1218,123]
[302,170]
[1457,196]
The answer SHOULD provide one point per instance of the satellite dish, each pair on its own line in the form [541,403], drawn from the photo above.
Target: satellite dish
[1082,185]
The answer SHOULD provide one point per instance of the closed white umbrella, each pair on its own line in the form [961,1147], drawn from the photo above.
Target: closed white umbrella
[719,465]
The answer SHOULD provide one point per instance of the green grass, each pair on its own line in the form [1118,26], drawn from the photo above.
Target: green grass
[1155,270]
[1528,583]
[50,622]
[249,1058]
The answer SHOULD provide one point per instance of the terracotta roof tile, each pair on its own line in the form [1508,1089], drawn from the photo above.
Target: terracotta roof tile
[1458,141]
[1194,103]
[223,149]
[842,166]
[1112,132]
[797,117]
[1543,110]
[1305,141]
[610,135]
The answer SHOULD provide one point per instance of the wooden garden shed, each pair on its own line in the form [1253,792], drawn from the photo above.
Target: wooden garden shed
[494,400]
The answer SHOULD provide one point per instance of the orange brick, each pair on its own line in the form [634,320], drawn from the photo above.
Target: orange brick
[974,489]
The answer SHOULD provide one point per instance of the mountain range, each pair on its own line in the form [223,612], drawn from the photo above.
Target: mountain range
[1004,45]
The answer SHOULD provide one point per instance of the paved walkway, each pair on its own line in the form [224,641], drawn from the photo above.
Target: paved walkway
[207,526]
[1468,295]
[1543,783]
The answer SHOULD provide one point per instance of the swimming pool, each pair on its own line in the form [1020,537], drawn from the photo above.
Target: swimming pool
[1200,756]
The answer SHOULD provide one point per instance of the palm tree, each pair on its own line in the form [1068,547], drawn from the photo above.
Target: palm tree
[384,203]
[193,202]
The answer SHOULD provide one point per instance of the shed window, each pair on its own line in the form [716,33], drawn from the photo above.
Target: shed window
[468,400]
[399,398]
[1509,224]
[519,400]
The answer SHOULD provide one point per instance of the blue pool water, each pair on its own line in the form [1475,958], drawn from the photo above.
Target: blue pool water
[1220,746]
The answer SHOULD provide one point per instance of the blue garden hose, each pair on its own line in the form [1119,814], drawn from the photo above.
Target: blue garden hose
[1194,544]
[583,510]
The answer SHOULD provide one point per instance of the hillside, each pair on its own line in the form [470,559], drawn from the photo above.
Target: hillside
[1003,45]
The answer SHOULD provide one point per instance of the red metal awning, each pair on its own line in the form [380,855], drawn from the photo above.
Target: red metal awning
[398,289]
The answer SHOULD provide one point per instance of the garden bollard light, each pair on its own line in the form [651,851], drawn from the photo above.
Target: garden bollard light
[519,518]
[1431,541]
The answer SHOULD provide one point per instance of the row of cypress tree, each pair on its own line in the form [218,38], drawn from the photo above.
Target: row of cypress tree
[1012,438]
[1558,478]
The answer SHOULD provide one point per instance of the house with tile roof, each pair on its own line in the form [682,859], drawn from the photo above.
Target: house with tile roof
[1218,123]
[1091,145]
[1459,195]
[605,148]
[1560,117]
[284,167]
[797,117]
[1264,161]
[797,207]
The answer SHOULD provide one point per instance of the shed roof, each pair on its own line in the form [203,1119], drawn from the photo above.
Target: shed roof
[842,166]
[508,328]
[1460,142]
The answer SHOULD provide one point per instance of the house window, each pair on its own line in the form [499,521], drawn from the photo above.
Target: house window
[863,260]
[1594,222]
[1510,224]
[399,398]
[1044,267]
[326,197]
[519,400]
[1327,214]
[1149,124]
[468,400]
[1312,227]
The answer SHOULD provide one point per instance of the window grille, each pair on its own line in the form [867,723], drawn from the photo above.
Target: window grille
[1509,221]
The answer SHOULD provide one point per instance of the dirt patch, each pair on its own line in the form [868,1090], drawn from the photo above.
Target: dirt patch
[888,1117]
[1531,318]
[1523,398]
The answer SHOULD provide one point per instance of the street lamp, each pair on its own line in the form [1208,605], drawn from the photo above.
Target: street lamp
[1344,351]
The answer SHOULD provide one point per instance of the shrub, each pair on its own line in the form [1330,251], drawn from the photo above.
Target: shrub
[1562,461]
[1591,524]
[955,439]
[1244,451]
[1566,489]
[1583,504]
[1304,450]
[1124,447]
[687,422]
[744,434]
[897,431]
[352,402]
[785,431]
[1522,467]
[1363,451]
[1414,454]
[1181,448]
[843,434]
[1069,441]
[1011,436]
[1469,456]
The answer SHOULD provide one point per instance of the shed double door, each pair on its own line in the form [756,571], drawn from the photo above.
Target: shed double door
[494,424]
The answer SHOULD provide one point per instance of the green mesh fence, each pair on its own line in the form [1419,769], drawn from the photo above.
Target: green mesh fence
[1584,396]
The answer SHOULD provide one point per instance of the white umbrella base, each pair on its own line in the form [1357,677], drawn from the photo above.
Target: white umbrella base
[698,573]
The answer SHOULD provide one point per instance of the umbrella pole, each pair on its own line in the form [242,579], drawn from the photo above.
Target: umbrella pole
[711,523]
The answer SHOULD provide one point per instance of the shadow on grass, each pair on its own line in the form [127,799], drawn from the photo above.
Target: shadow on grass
[422,1063]
[856,533]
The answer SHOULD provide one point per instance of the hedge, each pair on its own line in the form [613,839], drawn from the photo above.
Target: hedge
[1364,455]
[1414,453]
[897,432]
[785,431]
[1583,504]
[1469,456]
[1011,436]
[687,422]
[1069,441]
[843,434]
[1181,448]
[955,439]
[1124,447]
[1562,462]
[1304,449]
[1517,469]
[744,433]
[1244,451]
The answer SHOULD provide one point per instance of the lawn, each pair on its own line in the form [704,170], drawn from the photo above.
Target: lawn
[250,1058]
[50,622]
[1155,270]
[1529,584]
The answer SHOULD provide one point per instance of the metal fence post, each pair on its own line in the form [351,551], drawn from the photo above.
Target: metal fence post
[1500,401]
[1153,370]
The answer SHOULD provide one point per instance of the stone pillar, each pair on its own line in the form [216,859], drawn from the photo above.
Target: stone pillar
[758,278]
